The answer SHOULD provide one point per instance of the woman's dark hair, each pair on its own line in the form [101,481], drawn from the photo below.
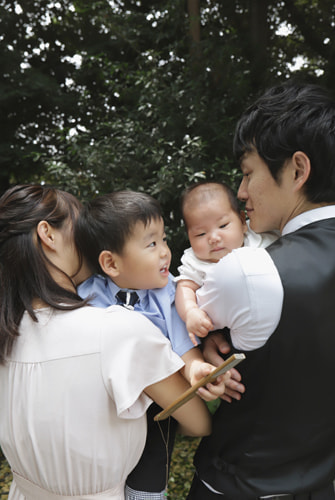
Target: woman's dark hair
[107,222]
[288,118]
[24,274]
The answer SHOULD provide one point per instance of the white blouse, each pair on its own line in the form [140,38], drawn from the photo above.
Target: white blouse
[72,404]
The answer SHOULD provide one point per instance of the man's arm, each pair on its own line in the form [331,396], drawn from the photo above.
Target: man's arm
[243,292]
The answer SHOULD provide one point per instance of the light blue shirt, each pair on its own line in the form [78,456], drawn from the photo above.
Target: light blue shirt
[157,304]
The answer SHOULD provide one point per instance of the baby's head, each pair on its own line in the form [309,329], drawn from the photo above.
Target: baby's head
[122,235]
[214,223]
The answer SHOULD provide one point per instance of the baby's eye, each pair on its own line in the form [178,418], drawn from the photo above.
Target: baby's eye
[152,244]
[224,225]
[199,235]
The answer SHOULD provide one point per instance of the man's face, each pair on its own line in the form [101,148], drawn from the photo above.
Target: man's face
[269,205]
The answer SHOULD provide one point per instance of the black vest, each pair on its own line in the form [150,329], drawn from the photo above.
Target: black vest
[280,438]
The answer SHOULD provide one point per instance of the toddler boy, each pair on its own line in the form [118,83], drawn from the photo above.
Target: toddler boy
[123,239]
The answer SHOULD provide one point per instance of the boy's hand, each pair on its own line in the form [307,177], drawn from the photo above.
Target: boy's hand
[212,390]
[198,323]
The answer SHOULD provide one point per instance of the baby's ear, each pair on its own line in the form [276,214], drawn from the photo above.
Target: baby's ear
[108,263]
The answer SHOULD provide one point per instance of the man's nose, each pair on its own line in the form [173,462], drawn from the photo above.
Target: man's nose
[242,193]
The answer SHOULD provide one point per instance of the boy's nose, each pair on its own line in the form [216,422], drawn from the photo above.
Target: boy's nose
[164,250]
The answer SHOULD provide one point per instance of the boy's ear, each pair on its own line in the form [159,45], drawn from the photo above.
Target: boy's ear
[46,234]
[302,169]
[108,263]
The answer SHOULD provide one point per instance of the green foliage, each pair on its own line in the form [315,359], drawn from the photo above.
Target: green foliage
[97,96]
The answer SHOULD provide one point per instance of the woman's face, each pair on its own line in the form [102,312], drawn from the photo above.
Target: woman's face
[65,255]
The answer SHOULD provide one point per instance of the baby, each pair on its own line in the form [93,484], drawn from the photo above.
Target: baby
[215,226]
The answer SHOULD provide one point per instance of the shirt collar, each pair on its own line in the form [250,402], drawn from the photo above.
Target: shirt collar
[308,217]
[115,289]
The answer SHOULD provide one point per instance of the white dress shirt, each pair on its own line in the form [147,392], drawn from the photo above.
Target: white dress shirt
[244,293]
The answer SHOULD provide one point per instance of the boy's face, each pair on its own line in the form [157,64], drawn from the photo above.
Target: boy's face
[145,260]
[214,229]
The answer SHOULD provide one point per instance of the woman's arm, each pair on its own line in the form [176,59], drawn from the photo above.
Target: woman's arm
[193,417]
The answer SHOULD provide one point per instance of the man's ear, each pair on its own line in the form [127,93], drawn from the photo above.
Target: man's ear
[46,234]
[109,263]
[302,169]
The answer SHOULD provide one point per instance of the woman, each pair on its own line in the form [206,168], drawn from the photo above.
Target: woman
[76,381]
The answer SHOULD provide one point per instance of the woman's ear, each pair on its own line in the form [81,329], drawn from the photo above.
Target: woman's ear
[302,169]
[46,234]
[109,263]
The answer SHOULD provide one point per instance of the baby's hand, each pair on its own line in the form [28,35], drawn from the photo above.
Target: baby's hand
[198,323]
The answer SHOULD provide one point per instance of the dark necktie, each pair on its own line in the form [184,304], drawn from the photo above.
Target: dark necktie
[127,299]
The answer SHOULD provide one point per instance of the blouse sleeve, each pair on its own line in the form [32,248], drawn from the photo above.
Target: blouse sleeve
[134,355]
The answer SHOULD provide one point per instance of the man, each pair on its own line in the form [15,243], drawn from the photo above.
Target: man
[279,304]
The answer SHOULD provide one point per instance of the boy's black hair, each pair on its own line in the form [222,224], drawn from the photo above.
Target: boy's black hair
[288,118]
[107,222]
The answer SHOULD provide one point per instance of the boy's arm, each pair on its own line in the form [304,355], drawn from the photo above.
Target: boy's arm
[197,321]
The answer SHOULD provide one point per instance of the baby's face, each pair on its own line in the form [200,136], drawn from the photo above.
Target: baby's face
[214,229]
[146,257]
